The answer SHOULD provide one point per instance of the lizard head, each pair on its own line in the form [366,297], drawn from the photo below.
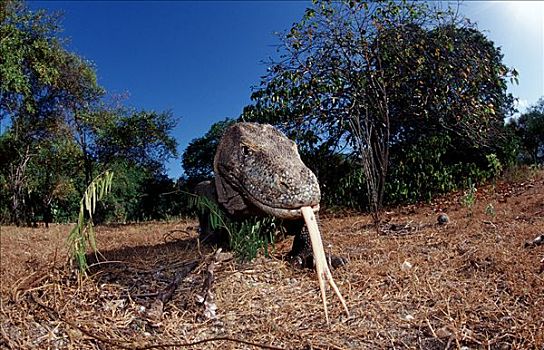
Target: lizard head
[261,166]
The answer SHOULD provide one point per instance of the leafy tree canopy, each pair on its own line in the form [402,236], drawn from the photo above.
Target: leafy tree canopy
[58,129]
[435,70]
[139,137]
[198,156]
[374,79]
[41,83]
[529,128]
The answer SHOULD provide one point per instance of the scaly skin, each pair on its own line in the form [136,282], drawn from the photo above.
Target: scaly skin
[258,171]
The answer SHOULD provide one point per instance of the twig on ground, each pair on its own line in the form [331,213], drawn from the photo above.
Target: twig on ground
[141,346]
[166,295]
[169,234]
[155,312]
[206,298]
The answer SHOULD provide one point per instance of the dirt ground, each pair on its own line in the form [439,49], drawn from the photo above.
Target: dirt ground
[474,283]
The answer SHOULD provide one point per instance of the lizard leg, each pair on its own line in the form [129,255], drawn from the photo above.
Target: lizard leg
[301,255]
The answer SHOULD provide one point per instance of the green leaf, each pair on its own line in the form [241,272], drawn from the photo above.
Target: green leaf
[83,231]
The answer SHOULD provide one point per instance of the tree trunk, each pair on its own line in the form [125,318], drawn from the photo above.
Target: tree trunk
[17,181]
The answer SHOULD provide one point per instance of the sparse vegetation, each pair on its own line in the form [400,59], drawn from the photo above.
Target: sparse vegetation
[247,237]
[394,104]
[475,285]
[490,210]
[469,198]
[60,130]
[82,235]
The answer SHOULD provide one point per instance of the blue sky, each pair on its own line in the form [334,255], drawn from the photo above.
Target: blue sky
[200,59]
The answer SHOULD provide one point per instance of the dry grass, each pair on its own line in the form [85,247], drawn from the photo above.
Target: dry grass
[472,283]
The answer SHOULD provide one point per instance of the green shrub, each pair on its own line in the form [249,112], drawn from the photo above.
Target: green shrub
[247,237]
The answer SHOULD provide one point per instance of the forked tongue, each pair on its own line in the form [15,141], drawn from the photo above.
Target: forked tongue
[321,266]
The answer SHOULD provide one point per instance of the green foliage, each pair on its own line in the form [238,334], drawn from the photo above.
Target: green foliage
[251,236]
[161,199]
[469,198]
[34,65]
[495,165]
[198,157]
[341,180]
[52,180]
[83,232]
[420,171]
[490,210]
[42,82]
[139,137]
[529,128]
[416,94]
[42,88]
[435,165]
[216,217]
[139,194]
[247,237]
[61,131]
[122,205]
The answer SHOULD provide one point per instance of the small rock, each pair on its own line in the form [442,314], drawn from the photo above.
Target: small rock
[230,316]
[443,219]
[406,265]
[210,311]
[408,317]
[443,333]
[292,281]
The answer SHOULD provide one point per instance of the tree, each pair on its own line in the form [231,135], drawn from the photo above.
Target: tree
[447,79]
[53,175]
[139,137]
[448,119]
[198,157]
[41,85]
[373,77]
[529,128]
[60,130]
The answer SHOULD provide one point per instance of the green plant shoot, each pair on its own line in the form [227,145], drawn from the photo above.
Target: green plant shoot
[83,233]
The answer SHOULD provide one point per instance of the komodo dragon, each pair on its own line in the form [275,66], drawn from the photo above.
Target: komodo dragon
[258,171]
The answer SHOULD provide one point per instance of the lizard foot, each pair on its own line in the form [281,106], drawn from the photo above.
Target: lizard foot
[301,261]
